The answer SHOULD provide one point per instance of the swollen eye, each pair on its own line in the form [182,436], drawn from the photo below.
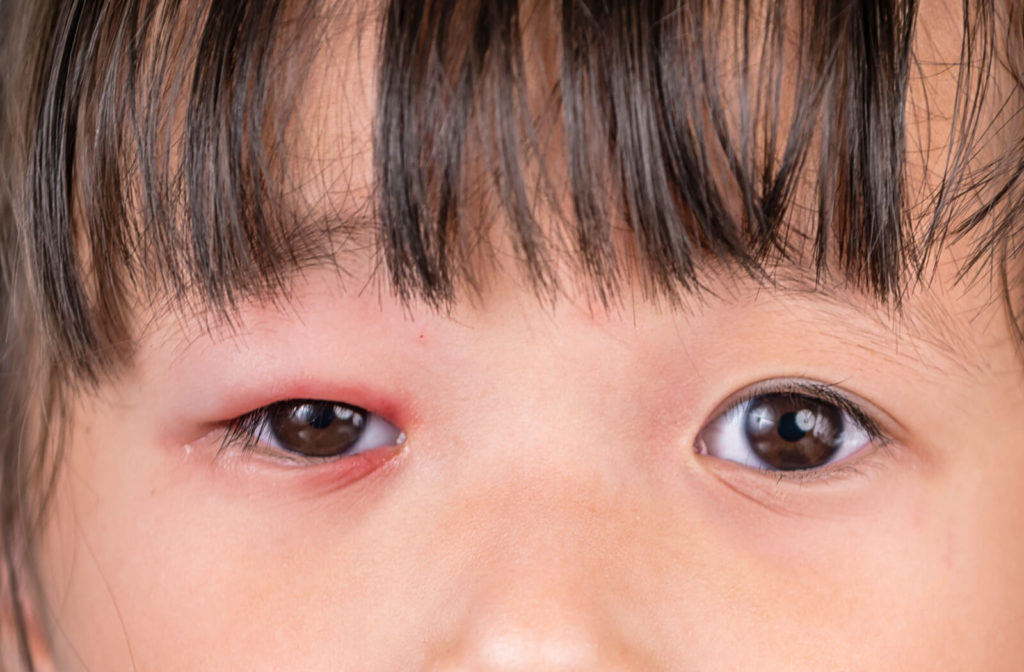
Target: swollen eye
[784,432]
[323,429]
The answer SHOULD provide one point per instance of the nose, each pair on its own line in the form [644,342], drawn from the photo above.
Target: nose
[541,630]
[552,528]
[536,637]
[556,594]
[522,647]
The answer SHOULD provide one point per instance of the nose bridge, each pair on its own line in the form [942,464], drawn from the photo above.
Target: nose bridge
[544,602]
[556,481]
[553,517]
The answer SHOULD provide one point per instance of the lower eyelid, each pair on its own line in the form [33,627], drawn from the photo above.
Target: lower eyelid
[327,476]
[363,460]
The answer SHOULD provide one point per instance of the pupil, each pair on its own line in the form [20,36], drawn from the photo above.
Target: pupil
[319,416]
[789,427]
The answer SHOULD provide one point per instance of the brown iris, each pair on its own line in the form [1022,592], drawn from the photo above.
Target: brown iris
[791,431]
[316,428]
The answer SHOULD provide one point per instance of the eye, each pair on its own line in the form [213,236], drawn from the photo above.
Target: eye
[313,429]
[788,431]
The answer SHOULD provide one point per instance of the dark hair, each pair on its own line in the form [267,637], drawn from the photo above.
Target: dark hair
[142,153]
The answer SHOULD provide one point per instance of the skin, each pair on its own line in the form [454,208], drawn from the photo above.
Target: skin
[548,509]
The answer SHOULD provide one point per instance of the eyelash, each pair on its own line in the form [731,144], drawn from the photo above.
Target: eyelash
[829,393]
[243,435]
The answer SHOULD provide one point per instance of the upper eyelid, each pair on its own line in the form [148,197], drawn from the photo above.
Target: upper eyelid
[879,424]
[830,394]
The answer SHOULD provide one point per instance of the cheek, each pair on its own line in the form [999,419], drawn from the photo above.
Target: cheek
[160,560]
[124,558]
[817,592]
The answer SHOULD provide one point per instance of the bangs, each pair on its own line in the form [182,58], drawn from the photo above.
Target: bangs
[644,140]
[692,124]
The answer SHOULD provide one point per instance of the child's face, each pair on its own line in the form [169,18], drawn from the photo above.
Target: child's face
[549,508]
